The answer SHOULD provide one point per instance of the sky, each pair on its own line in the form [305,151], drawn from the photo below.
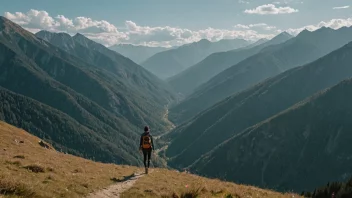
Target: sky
[175,22]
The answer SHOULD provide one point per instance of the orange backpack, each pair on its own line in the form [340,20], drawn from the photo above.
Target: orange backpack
[146,142]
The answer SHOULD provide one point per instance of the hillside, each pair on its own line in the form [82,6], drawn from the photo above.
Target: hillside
[127,72]
[186,81]
[273,60]
[171,62]
[305,146]
[100,103]
[29,170]
[137,53]
[260,102]
[91,138]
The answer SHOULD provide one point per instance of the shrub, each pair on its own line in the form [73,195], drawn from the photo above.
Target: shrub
[35,168]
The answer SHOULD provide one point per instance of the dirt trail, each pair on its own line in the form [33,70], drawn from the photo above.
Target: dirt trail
[117,189]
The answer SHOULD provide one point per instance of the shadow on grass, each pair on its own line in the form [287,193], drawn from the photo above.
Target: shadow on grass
[126,178]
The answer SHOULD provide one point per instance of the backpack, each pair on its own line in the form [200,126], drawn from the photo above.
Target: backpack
[146,142]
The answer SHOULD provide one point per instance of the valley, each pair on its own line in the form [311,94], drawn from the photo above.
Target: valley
[237,116]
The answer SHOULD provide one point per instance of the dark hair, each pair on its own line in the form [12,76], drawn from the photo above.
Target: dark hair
[146,128]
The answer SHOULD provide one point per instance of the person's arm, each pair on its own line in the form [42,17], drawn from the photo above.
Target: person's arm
[140,142]
[151,137]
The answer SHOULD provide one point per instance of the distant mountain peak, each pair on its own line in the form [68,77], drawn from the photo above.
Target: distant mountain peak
[283,35]
[79,36]
[47,35]
[83,40]
[203,41]
[322,30]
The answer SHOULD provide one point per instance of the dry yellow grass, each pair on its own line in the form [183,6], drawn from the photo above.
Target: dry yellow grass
[64,175]
[29,170]
[166,183]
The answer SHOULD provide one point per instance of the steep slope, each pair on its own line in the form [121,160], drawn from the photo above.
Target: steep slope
[126,71]
[145,91]
[38,70]
[186,81]
[247,108]
[171,62]
[56,174]
[137,53]
[29,170]
[304,48]
[306,146]
[65,133]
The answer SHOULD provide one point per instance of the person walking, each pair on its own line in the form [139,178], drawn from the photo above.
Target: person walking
[146,145]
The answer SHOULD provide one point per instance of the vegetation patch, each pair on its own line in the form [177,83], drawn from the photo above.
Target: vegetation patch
[16,163]
[19,156]
[13,188]
[35,168]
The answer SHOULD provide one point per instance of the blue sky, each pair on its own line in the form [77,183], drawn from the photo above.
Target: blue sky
[171,22]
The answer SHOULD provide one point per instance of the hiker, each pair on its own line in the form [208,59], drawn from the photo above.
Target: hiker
[146,145]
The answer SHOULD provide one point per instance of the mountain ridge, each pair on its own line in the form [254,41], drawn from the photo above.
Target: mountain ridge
[170,62]
[188,80]
[324,131]
[270,62]
[249,107]
[84,92]
[137,53]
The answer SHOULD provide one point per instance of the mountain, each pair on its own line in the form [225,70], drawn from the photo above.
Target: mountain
[137,53]
[264,40]
[272,60]
[29,170]
[171,62]
[248,108]
[125,70]
[101,103]
[65,133]
[305,146]
[186,81]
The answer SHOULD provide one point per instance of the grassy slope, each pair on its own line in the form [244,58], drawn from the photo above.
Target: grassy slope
[69,176]
[65,175]
[166,183]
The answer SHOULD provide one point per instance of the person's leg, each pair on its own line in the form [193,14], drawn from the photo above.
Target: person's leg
[145,158]
[149,155]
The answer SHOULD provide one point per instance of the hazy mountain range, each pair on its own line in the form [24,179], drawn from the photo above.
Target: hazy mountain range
[186,81]
[267,140]
[272,60]
[168,63]
[137,53]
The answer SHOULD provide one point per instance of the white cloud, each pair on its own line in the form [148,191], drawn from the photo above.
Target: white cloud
[243,1]
[271,9]
[257,25]
[108,34]
[342,7]
[333,23]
